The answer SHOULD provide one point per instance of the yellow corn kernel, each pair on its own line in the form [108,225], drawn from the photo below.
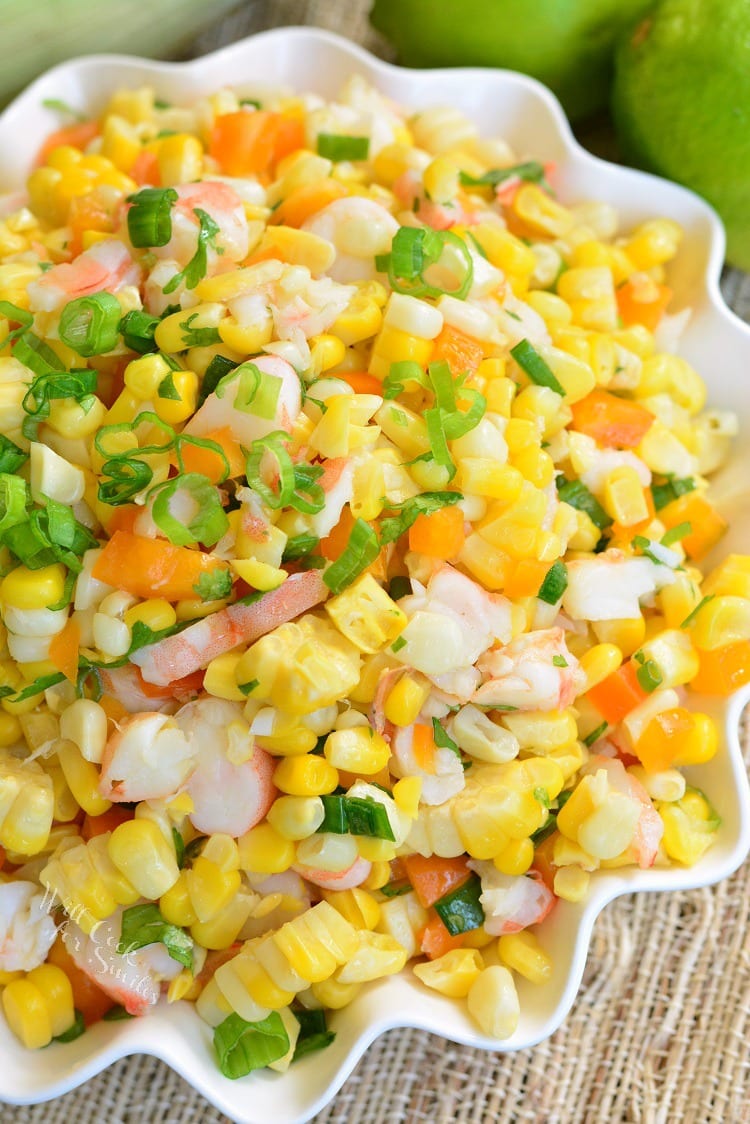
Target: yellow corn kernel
[378,955]
[405,700]
[296,817]
[499,392]
[305,775]
[378,877]
[516,857]
[702,744]
[624,498]
[258,574]
[334,995]
[406,429]
[175,904]
[180,159]
[140,852]
[361,320]
[731,578]
[453,973]
[721,621]
[535,465]
[156,613]
[265,850]
[176,410]
[57,993]
[211,889]
[376,850]
[674,655]
[366,615]
[627,635]
[523,953]
[358,907]
[484,562]
[144,375]
[599,662]
[543,731]
[294,742]
[540,404]
[27,1014]
[483,476]
[406,793]
[33,589]
[359,749]
[690,827]
[392,345]
[10,731]
[539,212]
[82,778]
[493,1002]
[220,679]
[222,930]
[571,883]
[326,350]
[653,243]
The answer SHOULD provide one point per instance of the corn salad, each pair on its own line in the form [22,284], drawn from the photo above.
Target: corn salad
[353,511]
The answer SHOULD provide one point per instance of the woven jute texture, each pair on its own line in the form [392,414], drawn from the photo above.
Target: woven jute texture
[660,1032]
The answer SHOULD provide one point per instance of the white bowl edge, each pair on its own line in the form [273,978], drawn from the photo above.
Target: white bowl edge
[289,55]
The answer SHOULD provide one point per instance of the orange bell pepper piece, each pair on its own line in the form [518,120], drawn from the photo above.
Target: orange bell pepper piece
[77,135]
[723,670]
[243,143]
[361,382]
[706,525]
[208,463]
[642,302]
[661,741]
[153,568]
[460,352]
[613,422]
[439,534]
[433,877]
[618,694]
[525,578]
[334,544]
[435,940]
[63,649]
[107,821]
[306,200]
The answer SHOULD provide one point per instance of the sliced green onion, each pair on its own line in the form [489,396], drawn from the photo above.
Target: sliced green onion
[676,534]
[555,583]
[595,735]
[648,673]
[671,490]
[442,738]
[214,585]
[13,500]
[198,337]
[415,250]
[341,146]
[36,355]
[442,384]
[436,435]
[271,448]
[256,393]
[400,586]
[313,1034]
[179,847]
[127,477]
[57,105]
[143,925]
[206,525]
[356,815]
[394,526]
[150,216]
[116,1014]
[576,494]
[530,361]
[215,372]
[23,318]
[361,550]
[398,644]
[299,546]
[692,615]
[242,1047]
[91,325]
[407,371]
[195,270]
[75,1031]
[137,329]
[531,171]
[460,910]
[395,889]
[559,661]
[78,384]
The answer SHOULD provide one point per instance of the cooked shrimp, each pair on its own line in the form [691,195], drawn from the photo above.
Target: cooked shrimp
[408,188]
[354,875]
[177,656]
[225,207]
[132,979]
[649,828]
[227,797]
[220,412]
[536,671]
[452,621]
[146,758]
[337,483]
[107,266]
[442,775]
[359,229]
[27,931]
[511,902]
[126,685]
[610,586]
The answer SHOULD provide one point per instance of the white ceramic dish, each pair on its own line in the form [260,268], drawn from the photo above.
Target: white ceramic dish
[716,342]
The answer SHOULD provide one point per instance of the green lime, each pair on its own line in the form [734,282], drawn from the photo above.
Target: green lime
[567,44]
[681,104]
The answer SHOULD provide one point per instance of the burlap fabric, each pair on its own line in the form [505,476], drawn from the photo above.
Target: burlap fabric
[659,1032]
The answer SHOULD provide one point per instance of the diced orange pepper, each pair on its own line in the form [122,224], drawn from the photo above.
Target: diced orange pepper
[723,670]
[611,421]
[433,877]
[543,863]
[461,352]
[618,694]
[361,382]
[208,463]
[145,169]
[63,649]
[290,135]
[89,999]
[440,534]
[663,739]
[435,940]
[334,544]
[525,578]
[87,212]
[642,302]
[153,568]
[77,136]
[244,143]
[123,518]
[107,821]
[423,747]
[706,525]
[306,200]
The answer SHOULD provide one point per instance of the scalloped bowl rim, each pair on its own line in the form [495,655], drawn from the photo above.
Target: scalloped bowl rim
[175,1034]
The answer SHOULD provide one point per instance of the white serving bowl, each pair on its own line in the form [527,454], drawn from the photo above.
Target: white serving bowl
[716,342]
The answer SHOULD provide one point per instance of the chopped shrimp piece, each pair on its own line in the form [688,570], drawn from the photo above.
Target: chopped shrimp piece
[511,902]
[246,427]
[126,685]
[409,189]
[227,797]
[442,778]
[649,828]
[354,875]
[524,674]
[611,585]
[359,229]
[177,656]
[147,758]
[132,979]
[27,930]
[106,266]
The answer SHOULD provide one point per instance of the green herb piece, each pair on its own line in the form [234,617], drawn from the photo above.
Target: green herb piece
[594,736]
[460,910]
[555,583]
[559,661]
[394,526]
[75,1031]
[214,585]
[399,587]
[143,925]
[676,534]
[576,494]
[530,171]
[314,1033]
[542,797]
[442,738]
[215,372]
[116,1014]
[530,361]
[195,270]
[198,337]
[249,687]
[242,1047]
[398,644]
[179,847]
[57,105]
[395,889]
[340,146]
[137,329]
[671,490]
[356,815]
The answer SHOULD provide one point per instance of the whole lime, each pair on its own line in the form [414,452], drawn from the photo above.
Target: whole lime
[567,44]
[681,103]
